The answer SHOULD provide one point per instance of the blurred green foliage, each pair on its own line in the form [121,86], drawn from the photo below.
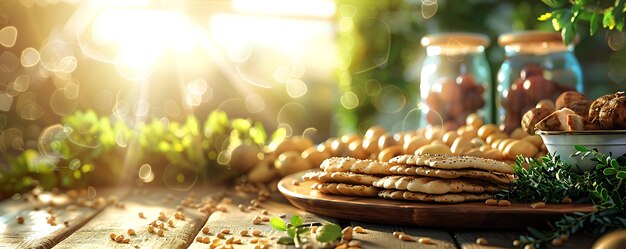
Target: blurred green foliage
[90,150]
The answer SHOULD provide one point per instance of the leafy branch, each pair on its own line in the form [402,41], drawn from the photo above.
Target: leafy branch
[551,180]
[598,13]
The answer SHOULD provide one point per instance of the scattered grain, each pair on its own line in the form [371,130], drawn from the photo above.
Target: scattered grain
[264,212]
[557,242]
[206,239]
[265,219]
[225,231]
[119,238]
[406,237]
[397,234]
[126,241]
[359,229]
[539,204]
[243,232]
[256,233]
[205,230]
[160,232]
[112,236]
[199,238]
[131,231]
[20,219]
[282,215]
[295,182]
[504,203]
[220,235]
[425,240]
[481,241]
[491,202]
[529,246]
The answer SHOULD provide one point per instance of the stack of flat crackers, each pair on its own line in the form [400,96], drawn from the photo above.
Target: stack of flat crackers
[427,178]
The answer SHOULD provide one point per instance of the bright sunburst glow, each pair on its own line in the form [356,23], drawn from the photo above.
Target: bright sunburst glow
[141,36]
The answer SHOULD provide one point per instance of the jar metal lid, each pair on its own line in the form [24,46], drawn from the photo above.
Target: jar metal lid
[455,39]
[530,37]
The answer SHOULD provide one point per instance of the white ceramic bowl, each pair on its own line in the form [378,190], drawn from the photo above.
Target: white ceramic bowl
[562,143]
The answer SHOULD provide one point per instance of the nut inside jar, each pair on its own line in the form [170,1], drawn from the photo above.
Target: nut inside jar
[454,100]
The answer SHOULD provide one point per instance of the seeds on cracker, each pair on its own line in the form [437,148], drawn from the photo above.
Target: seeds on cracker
[504,203]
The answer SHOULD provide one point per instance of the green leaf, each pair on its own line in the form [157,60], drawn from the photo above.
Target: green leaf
[328,233]
[278,224]
[580,148]
[296,220]
[568,33]
[621,175]
[291,231]
[609,171]
[594,23]
[555,3]
[285,241]
[608,21]
[546,16]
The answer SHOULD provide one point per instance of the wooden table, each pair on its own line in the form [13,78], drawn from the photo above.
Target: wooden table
[91,219]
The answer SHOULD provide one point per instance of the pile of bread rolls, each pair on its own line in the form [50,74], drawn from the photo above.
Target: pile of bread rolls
[472,139]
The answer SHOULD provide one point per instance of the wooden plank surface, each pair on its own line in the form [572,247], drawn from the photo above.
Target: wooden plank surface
[504,239]
[69,212]
[381,236]
[118,220]
[237,220]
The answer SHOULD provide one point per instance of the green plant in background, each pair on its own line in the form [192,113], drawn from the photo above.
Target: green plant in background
[90,150]
[551,180]
[567,15]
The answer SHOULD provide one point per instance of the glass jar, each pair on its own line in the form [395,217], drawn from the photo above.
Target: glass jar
[537,66]
[455,79]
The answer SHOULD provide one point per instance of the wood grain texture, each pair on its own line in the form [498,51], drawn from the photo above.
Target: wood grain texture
[237,220]
[151,202]
[461,215]
[504,239]
[381,236]
[36,232]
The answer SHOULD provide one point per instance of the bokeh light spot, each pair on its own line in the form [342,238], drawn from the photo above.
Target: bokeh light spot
[30,57]
[391,99]
[91,192]
[429,8]
[54,56]
[74,164]
[255,103]
[71,90]
[27,107]
[61,105]
[145,171]
[8,62]
[349,100]
[616,40]
[21,83]
[50,139]
[179,178]
[8,36]
[171,108]
[67,64]
[296,88]
[5,102]
[282,73]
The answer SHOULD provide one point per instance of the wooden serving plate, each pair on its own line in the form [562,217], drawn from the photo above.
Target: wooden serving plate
[461,215]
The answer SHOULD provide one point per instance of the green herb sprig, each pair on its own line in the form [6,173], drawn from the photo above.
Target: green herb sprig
[296,231]
[549,179]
